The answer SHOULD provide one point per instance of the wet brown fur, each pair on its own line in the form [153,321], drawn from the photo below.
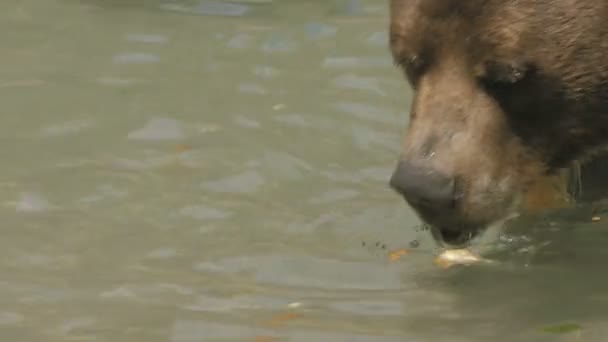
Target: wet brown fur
[506,92]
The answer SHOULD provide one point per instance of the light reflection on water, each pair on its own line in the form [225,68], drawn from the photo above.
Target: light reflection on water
[187,170]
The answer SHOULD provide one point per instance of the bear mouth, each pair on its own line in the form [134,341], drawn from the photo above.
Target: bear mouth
[455,237]
[462,235]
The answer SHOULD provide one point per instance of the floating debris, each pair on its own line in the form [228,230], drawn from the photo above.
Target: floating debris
[294,305]
[451,257]
[596,219]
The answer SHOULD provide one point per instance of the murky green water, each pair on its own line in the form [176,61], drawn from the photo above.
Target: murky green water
[188,170]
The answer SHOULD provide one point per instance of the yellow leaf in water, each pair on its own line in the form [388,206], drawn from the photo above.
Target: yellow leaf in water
[281,319]
[397,254]
[182,148]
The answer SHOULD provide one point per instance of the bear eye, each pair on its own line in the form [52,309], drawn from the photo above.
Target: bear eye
[504,74]
[414,66]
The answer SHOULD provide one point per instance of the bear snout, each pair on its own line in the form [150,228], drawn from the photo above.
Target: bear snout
[436,198]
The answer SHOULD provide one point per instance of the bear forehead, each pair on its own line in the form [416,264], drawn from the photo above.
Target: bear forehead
[548,33]
[471,27]
[439,8]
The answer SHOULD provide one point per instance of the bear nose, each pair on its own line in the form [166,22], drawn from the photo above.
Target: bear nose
[427,191]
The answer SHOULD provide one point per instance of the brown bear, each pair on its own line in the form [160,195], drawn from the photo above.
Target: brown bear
[507,93]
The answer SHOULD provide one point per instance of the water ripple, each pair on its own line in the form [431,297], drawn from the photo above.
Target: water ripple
[368,112]
[240,41]
[31,202]
[204,213]
[10,318]
[67,127]
[320,30]
[308,271]
[247,122]
[370,308]
[159,129]
[335,195]
[352,62]
[279,42]
[135,58]
[246,182]
[147,38]
[351,81]
[265,71]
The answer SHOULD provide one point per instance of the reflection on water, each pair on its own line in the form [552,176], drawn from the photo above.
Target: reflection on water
[217,170]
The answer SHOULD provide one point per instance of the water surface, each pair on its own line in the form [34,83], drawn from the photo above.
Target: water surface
[217,171]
